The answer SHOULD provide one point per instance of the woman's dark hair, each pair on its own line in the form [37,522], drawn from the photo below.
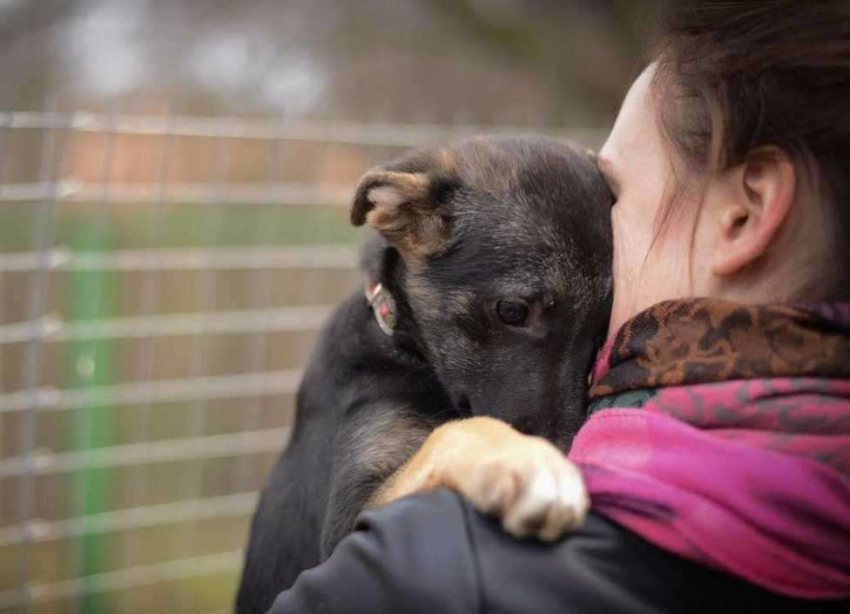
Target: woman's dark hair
[736,75]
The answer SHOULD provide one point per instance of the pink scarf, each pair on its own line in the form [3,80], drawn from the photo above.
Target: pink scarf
[722,433]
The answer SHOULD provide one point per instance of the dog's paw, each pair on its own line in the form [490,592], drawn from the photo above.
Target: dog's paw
[523,480]
[531,486]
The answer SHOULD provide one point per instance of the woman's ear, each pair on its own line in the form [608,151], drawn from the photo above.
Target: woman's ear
[755,206]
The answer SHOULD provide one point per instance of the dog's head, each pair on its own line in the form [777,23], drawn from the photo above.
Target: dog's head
[499,252]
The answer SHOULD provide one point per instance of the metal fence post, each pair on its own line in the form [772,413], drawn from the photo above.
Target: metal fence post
[92,297]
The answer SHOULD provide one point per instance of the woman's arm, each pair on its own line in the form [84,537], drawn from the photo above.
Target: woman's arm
[413,556]
[433,553]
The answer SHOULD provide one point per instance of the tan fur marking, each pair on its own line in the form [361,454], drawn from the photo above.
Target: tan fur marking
[404,213]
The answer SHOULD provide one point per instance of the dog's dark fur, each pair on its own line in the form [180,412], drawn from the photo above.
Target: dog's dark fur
[459,229]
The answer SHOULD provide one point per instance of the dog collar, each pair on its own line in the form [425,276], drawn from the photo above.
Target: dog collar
[383,306]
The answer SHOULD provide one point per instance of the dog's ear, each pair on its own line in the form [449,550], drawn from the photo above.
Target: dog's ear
[409,209]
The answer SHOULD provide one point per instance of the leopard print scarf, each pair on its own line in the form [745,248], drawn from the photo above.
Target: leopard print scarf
[774,377]
[699,341]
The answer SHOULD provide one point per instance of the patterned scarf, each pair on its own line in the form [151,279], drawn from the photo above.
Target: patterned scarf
[722,432]
[761,354]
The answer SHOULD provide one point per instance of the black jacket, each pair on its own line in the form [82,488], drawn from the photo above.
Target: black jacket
[433,554]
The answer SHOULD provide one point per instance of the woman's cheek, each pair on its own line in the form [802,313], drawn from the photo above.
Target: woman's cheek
[629,253]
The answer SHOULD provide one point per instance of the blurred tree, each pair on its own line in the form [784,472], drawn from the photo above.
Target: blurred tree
[28,31]
[589,46]
[536,62]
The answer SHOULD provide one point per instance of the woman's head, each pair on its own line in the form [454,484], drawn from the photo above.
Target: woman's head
[730,157]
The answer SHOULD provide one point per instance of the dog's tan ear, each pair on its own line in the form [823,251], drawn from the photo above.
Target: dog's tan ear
[402,207]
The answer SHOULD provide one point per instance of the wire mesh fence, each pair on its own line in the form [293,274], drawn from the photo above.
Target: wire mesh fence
[162,280]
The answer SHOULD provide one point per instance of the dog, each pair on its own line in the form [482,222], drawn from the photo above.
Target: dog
[487,293]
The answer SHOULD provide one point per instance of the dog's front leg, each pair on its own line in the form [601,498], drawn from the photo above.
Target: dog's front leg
[524,480]
[377,440]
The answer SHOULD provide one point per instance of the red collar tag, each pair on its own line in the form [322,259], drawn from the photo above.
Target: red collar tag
[383,306]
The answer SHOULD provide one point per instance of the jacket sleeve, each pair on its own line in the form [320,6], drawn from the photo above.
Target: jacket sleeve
[413,555]
[434,553]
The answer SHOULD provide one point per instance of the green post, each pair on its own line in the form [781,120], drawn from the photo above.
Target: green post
[92,297]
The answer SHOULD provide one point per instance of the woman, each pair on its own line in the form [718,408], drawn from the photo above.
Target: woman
[717,451]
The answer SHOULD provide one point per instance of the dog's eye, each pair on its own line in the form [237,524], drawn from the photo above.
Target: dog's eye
[512,312]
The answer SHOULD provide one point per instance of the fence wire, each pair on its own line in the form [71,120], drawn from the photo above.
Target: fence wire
[162,280]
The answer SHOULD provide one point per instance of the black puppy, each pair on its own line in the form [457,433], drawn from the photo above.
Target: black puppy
[487,293]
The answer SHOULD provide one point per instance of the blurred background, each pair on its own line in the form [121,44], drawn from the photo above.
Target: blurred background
[174,176]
